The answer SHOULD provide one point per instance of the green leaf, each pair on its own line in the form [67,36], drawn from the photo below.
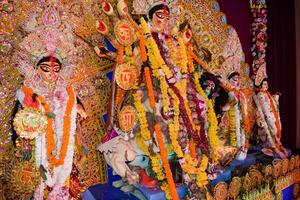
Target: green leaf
[50,115]
[43,172]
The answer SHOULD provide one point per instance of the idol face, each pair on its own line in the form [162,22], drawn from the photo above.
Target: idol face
[264,86]
[210,85]
[161,19]
[49,70]
[235,81]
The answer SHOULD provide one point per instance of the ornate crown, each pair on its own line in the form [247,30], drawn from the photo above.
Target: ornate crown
[233,56]
[48,36]
[142,7]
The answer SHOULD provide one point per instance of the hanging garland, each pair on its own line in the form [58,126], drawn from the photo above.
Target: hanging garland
[49,130]
[259,34]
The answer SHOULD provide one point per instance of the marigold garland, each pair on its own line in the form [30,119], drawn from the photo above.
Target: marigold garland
[146,135]
[155,58]
[202,180]
[246,119]
[149,86]
[199,61]
[190,164]
[120,59]
[165,187]
[191,67]
[141,144]
[128,51]
[174,125]
[232,126]
[192,149]
[172,52]
[165,162]
[275,112]
[160,70]
[152,60]
[49,130]
[142,46]
[211,116]
[182,55]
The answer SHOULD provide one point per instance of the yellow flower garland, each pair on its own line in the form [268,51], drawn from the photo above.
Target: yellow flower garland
[158,67]
[165,187]
[190,165]
[183,55]
[146,135]
[141,144]
[201,180]
[211,116]
[232,126]
[128,51]
[174,125]
[164,92]
[172,51]
[153,52]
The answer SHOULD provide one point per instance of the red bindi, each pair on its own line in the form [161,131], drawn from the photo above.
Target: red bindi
[52,61]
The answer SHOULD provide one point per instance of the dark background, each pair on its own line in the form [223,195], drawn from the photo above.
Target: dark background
[281,54]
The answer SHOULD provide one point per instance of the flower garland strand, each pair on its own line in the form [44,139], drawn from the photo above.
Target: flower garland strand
[189,164]
[49,130]
[246,119]
[202,179]
[275,112]
[232,126]
[182,55]
[211,115]
[174,126]
[165,162]
[172,52]
[146,136]
[149,86]
[120,59]
[191,67]
[155,58]
[259,34]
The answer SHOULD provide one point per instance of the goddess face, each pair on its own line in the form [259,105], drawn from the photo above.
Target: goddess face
[49,68]
[210,85]
[264,86]
[124,33]
[160,18]
[235,81]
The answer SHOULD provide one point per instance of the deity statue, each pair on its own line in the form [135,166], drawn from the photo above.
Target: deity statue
[232,105]
[162,126]
[44,161]
[235,109]
[268,118]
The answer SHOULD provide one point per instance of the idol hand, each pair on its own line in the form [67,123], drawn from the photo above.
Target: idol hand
[81,112]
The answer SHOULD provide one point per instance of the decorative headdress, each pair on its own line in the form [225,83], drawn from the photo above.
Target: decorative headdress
[233,56]
[142,7]
[261,74]
[52,37]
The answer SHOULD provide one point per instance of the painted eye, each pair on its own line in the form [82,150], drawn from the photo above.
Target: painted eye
[162,15]
[45,68]
[56,69]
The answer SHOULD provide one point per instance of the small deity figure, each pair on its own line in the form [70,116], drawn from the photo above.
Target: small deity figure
[268,118]
[234,107]
[159,111]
